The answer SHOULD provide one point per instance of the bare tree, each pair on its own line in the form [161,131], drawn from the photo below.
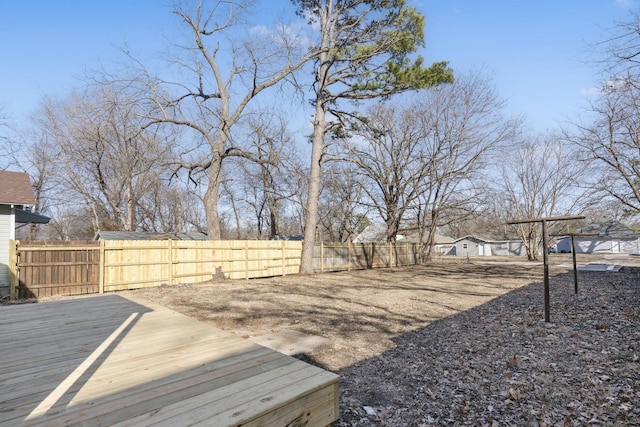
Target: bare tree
[607,136]
[363,53]
[29,150]
[540,179]
[102,156]
[610,141]
[169,205]
[619,53]
[218,77]
[425,162]
[464,123]
[269,182]
[342,216]
[391,163]
[6,147]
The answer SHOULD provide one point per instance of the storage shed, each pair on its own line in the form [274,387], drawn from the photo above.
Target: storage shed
[470,246]
[477,246]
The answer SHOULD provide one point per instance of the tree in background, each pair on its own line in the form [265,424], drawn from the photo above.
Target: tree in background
[216,76]
[101,156]
[5,139]
[266,183]
[607,136]
[424,163]
[389,155]
[28,151]
[541,178]
[610,142]
[363,52]
[342,216]
[464,124]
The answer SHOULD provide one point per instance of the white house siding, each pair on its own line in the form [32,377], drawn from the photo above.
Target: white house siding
[469,247]
[7,230]
[601,245]
[508,248]
[631,246]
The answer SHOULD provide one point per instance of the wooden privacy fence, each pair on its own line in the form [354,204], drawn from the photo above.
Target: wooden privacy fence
[40,269]
[131,264]
[358,256]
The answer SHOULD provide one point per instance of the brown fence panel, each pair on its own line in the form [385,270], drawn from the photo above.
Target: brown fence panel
[358,256]
[57,268]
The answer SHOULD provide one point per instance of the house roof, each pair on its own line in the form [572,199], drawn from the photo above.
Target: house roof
[472,237]
[609,229]
[373,233]
[482,239]
[135,235]
[438,239]
[377,233]
[15,189]
[26,217]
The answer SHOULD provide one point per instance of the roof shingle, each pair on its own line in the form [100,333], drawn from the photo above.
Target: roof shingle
[15,188]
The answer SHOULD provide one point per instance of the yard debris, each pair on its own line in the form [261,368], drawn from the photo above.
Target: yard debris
[370,411]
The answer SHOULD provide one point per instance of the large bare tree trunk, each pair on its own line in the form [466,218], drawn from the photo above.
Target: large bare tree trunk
[313,197]
[211,198]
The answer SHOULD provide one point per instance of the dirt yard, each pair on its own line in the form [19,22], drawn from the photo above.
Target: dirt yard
[451,343]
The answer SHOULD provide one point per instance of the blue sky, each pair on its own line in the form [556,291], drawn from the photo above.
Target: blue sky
[537,51]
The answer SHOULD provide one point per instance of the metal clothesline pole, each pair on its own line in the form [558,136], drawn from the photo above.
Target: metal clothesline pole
[573,253]
[545,257]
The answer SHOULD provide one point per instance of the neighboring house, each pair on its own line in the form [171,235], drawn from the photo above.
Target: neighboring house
[375,233]
[378,234]
[293,237]
[16,203]
[442,244]
[477,246]
[140,235]
[470,246]
[508,247]
[612,237]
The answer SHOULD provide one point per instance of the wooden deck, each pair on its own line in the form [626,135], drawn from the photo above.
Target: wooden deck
[109,360]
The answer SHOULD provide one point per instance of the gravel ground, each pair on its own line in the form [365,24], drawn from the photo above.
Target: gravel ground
[451,344]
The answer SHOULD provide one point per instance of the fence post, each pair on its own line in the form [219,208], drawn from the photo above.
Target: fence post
[101,269]
[14,278]
[246,259]
[284,264]
[321,257]
[170,257]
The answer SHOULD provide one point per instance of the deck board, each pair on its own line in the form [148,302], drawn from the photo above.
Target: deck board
[110,360]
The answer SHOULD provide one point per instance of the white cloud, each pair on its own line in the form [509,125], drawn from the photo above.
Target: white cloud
[282,35]
[625,4]
[589,91]
[260,30]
